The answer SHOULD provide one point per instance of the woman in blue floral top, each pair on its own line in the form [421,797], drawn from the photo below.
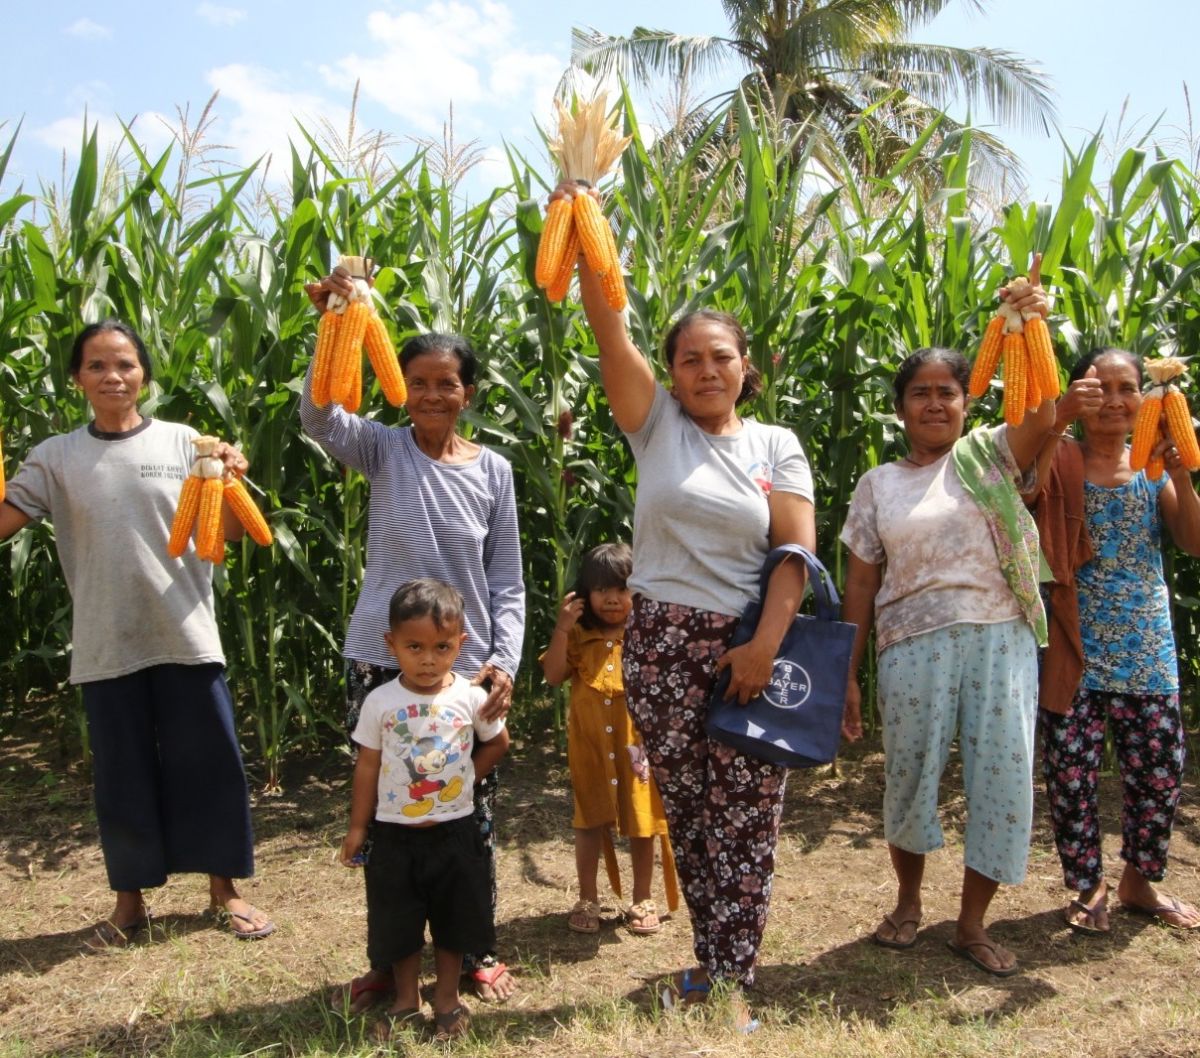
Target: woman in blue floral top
[1130,680]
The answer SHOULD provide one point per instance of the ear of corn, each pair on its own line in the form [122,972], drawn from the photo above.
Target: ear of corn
[327,331]
[240,502]
[1042,364]
[1145,430]
[1016,372]
[988,357]
[210,533]
[1179,426]
[613,285]
[553,246]
[353,399]
[382,355]
[557,289]
[1033,390]
[201,503]
[1155,468]
[595,235]
[185,516]
[347,351]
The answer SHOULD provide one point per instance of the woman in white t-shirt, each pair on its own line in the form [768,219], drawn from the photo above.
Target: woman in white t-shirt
[943,559]
[715,493]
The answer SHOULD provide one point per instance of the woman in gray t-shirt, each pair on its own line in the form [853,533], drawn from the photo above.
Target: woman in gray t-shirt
[715,493]
[170,791]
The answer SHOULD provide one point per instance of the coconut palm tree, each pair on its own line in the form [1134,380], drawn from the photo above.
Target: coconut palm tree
[844,72]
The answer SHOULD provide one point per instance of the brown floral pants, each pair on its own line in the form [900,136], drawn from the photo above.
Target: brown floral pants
[723,807]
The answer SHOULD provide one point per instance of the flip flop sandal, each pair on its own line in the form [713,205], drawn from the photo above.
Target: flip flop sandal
[1089,916]
[635,918]
[673,995]
[1173,906]
[452,1024]
[344,998]
[488,975]
[408,1019]
[584,917]
[894,942]
[109,935]
[966,951]
[225,918]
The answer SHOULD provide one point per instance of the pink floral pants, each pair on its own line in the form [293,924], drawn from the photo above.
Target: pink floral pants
[723,807]
[1147,735]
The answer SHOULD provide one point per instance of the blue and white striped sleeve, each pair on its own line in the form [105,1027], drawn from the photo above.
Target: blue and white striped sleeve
[357,442]
[502,567]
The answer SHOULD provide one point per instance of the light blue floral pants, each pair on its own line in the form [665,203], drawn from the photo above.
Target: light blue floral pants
[979,682]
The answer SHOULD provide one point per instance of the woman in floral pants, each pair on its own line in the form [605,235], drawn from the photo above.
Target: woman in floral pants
[1129,672]
[715,492]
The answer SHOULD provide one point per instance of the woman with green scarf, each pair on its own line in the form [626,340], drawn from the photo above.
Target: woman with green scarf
[944,563]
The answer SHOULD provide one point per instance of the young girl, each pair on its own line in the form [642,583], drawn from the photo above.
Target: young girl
[609,773]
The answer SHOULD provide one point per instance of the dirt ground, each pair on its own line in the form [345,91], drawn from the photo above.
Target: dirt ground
[823,987]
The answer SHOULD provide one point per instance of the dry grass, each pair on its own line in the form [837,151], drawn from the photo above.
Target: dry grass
[823,988]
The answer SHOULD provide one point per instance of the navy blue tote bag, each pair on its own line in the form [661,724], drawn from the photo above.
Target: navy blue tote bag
[797,720]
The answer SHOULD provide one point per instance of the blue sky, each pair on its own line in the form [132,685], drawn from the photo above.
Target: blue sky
[498,61]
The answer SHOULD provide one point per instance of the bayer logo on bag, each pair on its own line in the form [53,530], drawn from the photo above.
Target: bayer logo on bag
[790,685]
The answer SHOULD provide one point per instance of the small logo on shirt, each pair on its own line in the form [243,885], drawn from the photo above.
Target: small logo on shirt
[760,474]
[168,471]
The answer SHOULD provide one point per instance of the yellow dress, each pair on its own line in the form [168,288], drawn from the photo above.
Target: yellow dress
[599,734]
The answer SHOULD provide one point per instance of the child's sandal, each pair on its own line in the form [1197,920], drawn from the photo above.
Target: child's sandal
[584,917]
[643,918]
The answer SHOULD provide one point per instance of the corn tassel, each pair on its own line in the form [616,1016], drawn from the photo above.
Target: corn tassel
[1016,372]
[595,236]
[557,289]
[347,351]
[185,516]
[327,333]
[554,244]
[1179,426]
[240,502]
[988,357]
[1042,364]
[1145,430]
[210,531]
[382,355]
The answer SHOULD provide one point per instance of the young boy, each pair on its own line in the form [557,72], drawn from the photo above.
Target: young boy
[415,773]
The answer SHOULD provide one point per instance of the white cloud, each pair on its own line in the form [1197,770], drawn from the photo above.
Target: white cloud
[65,134]
[87,29]
[219,15]
[266,112]
[450,50]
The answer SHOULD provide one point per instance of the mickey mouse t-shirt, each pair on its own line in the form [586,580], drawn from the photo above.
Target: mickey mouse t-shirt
[425,773]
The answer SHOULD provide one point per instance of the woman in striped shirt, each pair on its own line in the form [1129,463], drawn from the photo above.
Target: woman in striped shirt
[440,506]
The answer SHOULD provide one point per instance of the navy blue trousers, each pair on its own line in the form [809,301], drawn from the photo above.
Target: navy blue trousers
[171,794]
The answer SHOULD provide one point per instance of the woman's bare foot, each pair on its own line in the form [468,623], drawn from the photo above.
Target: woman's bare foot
[1140,895]
[1088,911]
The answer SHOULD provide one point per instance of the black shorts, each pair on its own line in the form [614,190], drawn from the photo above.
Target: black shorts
[427,874]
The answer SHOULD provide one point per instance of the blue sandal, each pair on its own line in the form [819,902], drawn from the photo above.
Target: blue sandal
[670,995]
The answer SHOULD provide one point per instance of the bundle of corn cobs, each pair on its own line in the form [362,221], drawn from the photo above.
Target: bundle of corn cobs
[345,327]
[1164,413]
[204,489]
[1030,370]
[587,147]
